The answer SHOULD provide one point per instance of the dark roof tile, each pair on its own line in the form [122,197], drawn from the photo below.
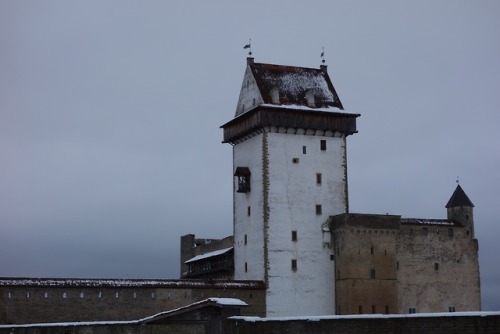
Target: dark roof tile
[459,198]
[293,83]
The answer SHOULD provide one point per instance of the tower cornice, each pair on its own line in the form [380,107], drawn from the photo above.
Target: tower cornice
[289,118]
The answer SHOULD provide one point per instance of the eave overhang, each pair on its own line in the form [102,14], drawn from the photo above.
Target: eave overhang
[286,117]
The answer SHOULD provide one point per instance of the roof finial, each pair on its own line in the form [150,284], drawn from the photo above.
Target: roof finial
[249,46]
[323,55]
[458,179]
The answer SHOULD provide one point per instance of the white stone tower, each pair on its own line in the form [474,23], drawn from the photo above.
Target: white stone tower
[290,174]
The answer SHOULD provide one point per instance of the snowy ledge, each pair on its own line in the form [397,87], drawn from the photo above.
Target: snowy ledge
[367,316]
[302,107]
[125,283]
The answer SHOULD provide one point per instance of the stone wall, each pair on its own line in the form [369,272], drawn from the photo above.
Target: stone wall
[33,301]
[438,269]
[365,253]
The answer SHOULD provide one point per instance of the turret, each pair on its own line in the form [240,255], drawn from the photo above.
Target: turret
[460,208]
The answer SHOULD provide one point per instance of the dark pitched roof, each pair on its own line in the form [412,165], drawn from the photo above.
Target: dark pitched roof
[459,198]
[293,83]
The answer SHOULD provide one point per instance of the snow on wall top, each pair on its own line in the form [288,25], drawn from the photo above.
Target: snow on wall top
[295,85]
[425,221]
[367,316]
[209,254]
[124,283]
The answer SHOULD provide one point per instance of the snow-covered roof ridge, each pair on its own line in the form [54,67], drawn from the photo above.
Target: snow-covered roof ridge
[214,300]
[228,301]
[209,254]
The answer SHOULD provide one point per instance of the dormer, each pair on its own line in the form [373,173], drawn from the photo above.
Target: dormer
[310,98]
[275,95]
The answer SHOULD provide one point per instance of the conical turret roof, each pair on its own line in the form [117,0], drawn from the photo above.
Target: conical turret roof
[459,198]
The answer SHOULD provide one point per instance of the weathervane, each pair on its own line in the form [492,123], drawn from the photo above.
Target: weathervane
[249,46]
[323,55]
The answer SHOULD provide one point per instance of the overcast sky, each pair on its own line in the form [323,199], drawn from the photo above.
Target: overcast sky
[110,144]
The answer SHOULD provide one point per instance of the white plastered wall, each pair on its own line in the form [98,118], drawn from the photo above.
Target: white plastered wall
[292,197]
[249,154]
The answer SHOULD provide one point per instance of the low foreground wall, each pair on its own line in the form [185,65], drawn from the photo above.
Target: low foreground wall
[208,319]
[432,323]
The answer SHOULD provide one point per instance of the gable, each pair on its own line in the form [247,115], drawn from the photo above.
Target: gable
[249,94]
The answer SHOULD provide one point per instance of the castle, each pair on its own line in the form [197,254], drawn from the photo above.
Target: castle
[292,226]
[296,248]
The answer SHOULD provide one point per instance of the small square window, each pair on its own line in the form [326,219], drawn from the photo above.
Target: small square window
[374,309]
[248,211]
[319,209]
[246,239]
[318,178]
[294,264]
[436,266]
[451,309]
[371,250]
[294,235]
[332,257]
[360,309]
[323,145]
[246,267]
[295,160]
[372,273]
[412,310]
[304,150]
[386,309]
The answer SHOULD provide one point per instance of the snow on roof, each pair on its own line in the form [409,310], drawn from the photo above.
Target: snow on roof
[294,82]
[218,301]
[124,283]
[209,254]
[425,221]
[366,316]
[228,301]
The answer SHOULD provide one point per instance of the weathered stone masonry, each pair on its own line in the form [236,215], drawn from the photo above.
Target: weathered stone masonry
[62,300]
